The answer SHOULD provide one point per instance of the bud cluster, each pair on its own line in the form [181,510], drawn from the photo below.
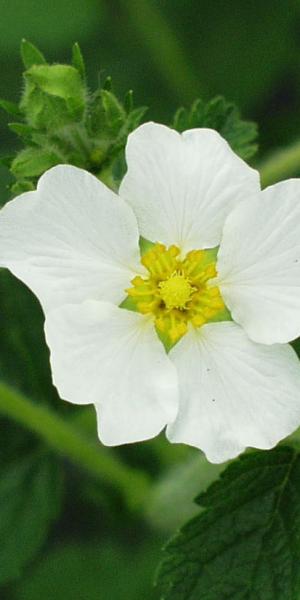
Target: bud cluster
[59,121]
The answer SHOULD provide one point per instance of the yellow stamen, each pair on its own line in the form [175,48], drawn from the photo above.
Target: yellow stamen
[177,292]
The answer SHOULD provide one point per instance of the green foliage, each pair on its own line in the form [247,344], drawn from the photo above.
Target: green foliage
[63,122]
[224,117]
[31,55]
[88,571]
[32,162]
[10,107]
[30,499]
[78,60]
[245,545]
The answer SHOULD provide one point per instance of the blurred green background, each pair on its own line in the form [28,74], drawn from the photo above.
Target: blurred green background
[169,52]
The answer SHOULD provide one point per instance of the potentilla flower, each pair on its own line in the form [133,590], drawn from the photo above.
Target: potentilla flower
[191,332]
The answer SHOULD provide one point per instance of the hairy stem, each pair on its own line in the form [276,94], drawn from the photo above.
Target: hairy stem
[67,441]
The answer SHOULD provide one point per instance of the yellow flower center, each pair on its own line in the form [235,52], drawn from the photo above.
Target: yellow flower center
[177,291]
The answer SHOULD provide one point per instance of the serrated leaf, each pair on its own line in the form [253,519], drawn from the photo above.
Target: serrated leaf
[32,162]
[78,60]
[225,118]
[30,499]
[31,55]
[246,544]
[10,107]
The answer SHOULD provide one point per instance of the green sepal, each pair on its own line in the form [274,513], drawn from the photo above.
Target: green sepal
[78,60]
[129,304]
[145,245]
[31,55]
[62,81]
[11,108]
[114,111]
[42,111]
[134,118]
[22,130]
[32,162]
[22,186]
[128,101]
[107,85]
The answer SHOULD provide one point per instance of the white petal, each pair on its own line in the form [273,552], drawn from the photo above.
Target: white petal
[234,393]
[111,357]
[71,240]
[182,187]
[259,264]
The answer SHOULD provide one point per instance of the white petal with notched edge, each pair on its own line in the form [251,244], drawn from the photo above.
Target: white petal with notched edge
[71,240]
[259,264]
[234,393]
[112,357]
[181,187]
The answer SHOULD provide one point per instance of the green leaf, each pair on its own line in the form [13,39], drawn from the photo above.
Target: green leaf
[225,118]
[22,130]
[32,162]
[246,544]
[10,107]
[87,571]
[30,499]
[31,55]
[77,60]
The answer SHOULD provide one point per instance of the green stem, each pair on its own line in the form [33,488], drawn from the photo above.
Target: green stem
[67,441]
[281,164]
[165,49]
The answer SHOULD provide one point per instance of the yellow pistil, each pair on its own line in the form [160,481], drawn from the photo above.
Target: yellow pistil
[178,291]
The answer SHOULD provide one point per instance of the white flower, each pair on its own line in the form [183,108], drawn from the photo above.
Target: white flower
[225,384]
